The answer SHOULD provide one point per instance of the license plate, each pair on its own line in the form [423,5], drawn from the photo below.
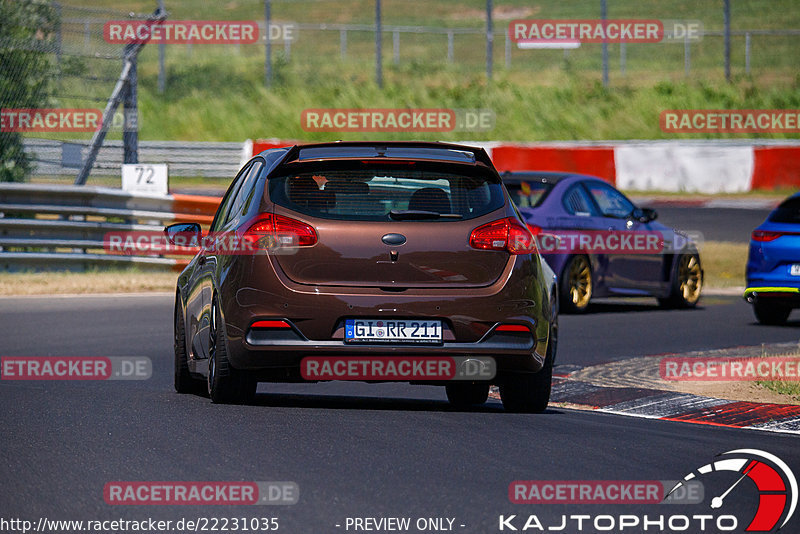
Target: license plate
[794,270]
[392,331]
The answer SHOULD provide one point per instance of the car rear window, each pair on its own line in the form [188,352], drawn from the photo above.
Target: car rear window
[528,194]
[787,212]
[378,194]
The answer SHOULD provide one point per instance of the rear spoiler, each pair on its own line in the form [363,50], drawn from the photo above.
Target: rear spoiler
[368,150]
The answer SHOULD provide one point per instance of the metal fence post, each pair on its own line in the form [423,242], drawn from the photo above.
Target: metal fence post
[124,90]
[489,39]
[450,55]
[58,36]
[130,114]
[162,50]
[396,46]
[287,49]
[378,47]
[622,58]
[343,43]
[747,53]
[605,44]
[508,51]
[727,15]
[268,45]
[687,56]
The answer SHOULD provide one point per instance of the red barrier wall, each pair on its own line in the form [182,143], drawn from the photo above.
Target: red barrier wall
[776,167]
[259,145]
[598,161]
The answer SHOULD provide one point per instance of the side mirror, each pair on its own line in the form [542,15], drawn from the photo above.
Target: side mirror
[650,214]
[183,234]
[644,215]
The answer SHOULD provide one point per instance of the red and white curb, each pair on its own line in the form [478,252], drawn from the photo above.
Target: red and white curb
[675,406]
[670,405]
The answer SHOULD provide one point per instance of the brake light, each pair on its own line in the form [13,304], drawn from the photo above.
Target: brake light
[512,328]
[504,234]
[270,324]
[285,230]
[763,235]
[535,230]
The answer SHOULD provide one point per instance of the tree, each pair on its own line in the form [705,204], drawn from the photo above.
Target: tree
[27,42]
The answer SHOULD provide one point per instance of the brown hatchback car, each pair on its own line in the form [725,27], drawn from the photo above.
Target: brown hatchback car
[384,251]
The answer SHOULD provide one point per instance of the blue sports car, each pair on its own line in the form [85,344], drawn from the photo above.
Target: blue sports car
[773,264]
[600,244]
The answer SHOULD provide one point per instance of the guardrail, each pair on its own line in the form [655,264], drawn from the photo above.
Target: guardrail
[54,227]
[206,159]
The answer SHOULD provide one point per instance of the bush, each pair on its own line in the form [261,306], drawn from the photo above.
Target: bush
[27,39]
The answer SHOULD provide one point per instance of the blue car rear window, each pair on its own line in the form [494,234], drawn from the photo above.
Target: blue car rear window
[528,194]
[787,212]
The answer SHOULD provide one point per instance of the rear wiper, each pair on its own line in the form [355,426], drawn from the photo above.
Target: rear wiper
[405,215]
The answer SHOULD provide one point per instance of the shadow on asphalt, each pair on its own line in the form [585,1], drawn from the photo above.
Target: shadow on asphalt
[789,324]
[341,402]
[629,307]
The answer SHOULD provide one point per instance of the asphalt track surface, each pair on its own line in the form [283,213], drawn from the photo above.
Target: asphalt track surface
[716,224]
[355,450]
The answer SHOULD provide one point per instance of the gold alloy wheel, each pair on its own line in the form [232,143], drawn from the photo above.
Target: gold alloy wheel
[690,278]
[580,282]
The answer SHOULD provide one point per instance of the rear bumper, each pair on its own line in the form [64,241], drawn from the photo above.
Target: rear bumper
[785,294]
[274,354]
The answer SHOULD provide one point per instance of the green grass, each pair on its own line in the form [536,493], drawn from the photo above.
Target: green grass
[579,108]
[217,92]
[784,387]
[117,280]
[723,263]
[459,13]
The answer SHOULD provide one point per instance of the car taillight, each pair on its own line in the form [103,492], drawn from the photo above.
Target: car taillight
[535,230]
[270,324]
[505,234]
[763,235]
[512,328]
[285,230]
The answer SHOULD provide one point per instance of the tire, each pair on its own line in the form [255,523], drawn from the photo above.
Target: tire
[466,394]
[184,381]
[576,284]
[686,284]
[772,313]
[226,384]
[530,392]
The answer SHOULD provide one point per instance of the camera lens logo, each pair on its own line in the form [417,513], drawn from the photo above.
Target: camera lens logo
[776,484]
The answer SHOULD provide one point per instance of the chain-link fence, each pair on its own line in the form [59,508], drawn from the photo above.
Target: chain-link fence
[335,40]
[55,58]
